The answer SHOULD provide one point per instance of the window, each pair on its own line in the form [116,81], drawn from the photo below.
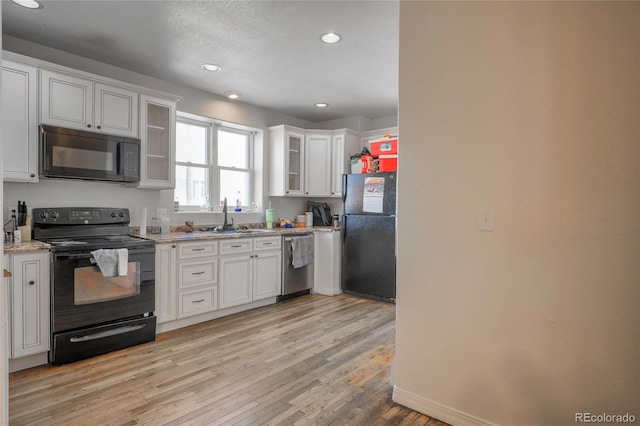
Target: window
[213,161]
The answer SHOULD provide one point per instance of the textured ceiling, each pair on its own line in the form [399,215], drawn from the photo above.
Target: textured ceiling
[270,51]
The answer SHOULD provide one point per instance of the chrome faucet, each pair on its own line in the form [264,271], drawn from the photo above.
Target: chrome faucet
[226,226]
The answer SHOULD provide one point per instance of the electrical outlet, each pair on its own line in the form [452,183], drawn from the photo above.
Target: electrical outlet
[485,220]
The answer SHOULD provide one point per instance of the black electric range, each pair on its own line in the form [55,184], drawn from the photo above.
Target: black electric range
[91,313]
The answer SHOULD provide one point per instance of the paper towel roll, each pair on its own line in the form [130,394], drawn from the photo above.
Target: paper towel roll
[143,221]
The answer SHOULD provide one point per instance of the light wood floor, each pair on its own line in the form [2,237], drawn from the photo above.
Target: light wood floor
[312,360]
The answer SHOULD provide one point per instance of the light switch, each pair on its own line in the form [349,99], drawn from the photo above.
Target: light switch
[485,220]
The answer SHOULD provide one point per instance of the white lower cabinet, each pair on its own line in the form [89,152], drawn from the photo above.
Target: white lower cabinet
[197,278]
[267,271]
[326,264]
[236,276]
[166,282]
[251,271]
[30,326]
[200,277]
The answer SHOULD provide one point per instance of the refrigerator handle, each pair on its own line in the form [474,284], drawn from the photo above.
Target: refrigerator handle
[344,188]
[343,228]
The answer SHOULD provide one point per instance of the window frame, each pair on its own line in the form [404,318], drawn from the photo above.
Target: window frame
[213,127]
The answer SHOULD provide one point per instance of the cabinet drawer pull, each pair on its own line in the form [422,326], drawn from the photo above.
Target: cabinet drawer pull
[198,249]
[197,273]
[32,282]
[237,246]
[198,301]
[266,244]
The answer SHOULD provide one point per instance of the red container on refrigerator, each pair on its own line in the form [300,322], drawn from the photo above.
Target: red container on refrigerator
[388,162]
[384,147]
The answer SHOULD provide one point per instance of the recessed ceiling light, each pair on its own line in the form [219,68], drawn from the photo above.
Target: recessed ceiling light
[30,4]
[211,67]
[330,38]
[232,95]
[322,105]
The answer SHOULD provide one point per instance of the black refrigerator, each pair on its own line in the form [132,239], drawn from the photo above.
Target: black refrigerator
[369,235]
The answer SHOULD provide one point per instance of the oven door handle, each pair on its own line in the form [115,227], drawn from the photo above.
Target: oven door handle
[107,333]
[88,255]
[74,256]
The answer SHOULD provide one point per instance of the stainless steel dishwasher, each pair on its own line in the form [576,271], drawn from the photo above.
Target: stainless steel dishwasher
[295,281]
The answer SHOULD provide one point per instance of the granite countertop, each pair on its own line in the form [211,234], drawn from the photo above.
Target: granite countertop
[175,237]
[25,246]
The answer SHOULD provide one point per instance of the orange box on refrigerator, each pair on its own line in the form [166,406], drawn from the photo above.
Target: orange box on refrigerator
[388,162]
[384,147]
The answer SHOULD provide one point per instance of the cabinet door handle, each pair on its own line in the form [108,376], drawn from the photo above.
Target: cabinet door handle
[197,273]
[89,125]
[32,282]
[98,127]
[198,301]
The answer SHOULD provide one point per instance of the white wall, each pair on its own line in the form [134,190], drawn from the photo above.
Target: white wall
[531,109]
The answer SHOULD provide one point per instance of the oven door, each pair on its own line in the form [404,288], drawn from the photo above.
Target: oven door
[82,296]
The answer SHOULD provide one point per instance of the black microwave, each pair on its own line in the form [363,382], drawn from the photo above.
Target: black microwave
[78,154]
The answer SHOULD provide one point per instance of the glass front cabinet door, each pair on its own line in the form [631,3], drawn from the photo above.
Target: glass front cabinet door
[158,137]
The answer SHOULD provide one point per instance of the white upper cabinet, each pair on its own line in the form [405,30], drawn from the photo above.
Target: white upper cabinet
[287,161]
[310,163]
[317,165]
[79,103]
[344,143]
[158,143]
[115,110]
[20,122]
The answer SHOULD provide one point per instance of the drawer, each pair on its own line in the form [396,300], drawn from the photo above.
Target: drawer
[267,243]
[197,302]
[197,249]
[238,245]
[197,273]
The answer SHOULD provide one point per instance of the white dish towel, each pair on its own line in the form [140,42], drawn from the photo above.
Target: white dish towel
[302,251]
[112,262]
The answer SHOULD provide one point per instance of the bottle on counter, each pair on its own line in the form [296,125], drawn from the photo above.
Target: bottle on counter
[238,203]
[155,225]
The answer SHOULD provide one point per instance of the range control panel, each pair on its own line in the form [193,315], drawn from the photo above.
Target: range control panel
[80,216]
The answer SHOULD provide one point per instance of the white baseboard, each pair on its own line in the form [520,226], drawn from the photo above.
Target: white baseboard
[185,322]
[436,410]
[30,361]
[327,291]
